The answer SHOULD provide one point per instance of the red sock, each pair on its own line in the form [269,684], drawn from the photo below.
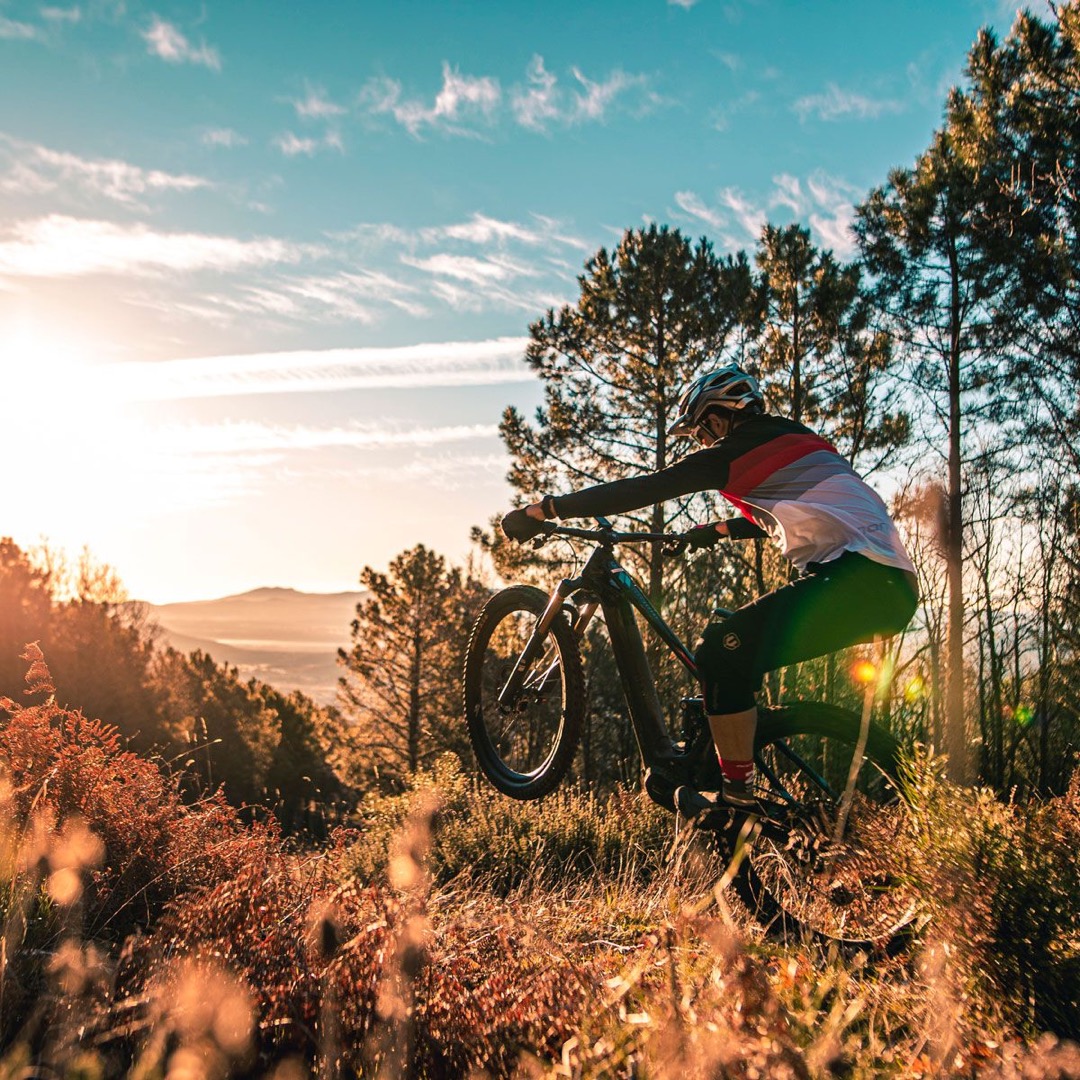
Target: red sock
[736,770]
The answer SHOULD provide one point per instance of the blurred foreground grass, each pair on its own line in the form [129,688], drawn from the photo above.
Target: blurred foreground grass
[456,933]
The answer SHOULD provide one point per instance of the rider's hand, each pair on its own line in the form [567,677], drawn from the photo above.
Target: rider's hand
[520,525]
[703,536]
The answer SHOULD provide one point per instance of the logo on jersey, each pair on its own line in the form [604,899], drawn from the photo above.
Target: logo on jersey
[731,641]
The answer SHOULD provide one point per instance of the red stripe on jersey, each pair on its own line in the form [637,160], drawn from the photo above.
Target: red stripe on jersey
[759,464]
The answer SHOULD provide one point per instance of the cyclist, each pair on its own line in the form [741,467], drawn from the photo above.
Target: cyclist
[791,485]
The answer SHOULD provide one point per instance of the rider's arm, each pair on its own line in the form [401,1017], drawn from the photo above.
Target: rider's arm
[740,528]
[697,472]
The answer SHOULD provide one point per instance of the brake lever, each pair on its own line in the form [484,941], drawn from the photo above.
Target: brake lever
[670,549]
[545,534]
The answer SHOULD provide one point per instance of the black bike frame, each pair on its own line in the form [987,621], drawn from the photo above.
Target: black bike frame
[619,597]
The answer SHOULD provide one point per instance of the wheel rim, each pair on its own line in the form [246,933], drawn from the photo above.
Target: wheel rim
[523,735]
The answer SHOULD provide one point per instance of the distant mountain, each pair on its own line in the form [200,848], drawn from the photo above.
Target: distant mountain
[283,637]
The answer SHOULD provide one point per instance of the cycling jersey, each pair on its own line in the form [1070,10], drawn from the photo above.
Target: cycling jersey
[787,482]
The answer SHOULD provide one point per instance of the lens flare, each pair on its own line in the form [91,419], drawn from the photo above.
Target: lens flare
[915,689]
[864,672]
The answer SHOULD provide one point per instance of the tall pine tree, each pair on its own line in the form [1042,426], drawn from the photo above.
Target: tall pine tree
[651,315]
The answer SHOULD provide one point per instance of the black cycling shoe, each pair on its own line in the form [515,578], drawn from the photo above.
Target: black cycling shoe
[671,794]
[738,795]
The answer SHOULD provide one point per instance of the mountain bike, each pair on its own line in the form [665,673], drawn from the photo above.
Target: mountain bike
[823,862]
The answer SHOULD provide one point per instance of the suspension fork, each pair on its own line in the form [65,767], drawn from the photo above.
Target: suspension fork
[511,691]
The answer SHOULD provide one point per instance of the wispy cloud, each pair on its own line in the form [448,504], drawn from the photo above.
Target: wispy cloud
[293,145]
[462,99]
[470,105]
[476,271]
[166,41]
[825,202]
[11,30]
[225,137]
[686,5]
[835,103]
[348,296]
[536,103]
[460,363]
[253,437]
[540,102]
[732,208]
[62,15]
[61,246]
[34,169]
[693,205]
[315,105]
[592,102]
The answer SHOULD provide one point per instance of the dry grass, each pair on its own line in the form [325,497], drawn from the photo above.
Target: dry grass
[456,936]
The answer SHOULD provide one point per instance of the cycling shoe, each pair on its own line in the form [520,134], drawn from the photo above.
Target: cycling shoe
[672,794]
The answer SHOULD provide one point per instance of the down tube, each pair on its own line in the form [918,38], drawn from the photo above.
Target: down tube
[638,685]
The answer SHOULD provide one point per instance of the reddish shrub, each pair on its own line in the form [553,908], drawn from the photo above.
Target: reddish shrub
[62,766]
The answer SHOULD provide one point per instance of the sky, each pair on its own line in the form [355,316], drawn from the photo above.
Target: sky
[267,269]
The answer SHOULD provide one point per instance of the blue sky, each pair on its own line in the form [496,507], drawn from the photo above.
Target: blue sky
[266,268]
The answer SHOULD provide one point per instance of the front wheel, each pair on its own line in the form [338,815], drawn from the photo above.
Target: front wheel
[524,720]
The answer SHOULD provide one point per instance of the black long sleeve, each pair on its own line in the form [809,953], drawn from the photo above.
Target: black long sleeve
[706,470]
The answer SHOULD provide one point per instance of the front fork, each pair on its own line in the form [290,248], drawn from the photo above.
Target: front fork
[511,691]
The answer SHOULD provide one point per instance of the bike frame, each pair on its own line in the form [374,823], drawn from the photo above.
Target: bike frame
[619,596]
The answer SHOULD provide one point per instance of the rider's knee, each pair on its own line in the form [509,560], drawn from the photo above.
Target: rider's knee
[727,678]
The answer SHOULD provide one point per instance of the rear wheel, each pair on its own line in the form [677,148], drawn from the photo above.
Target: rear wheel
[833,861]
[524,720]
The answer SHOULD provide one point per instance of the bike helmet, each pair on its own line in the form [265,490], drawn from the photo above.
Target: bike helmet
[728,387]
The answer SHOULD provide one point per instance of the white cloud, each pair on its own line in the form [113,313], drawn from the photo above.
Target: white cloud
[825,202]
[223,137]
[752,218]
[835,103]
[317,106]
[536,103]
[686,5]
[293,145]
[691,204]
[166,41]
[61,246]
[38,169]
[481,229]
[475,271]
[10,30]
[460,363]
[461,99]
[62,15]
[593,104]
[253,437]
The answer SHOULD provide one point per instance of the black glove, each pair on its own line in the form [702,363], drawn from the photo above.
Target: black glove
[702,536]
[517,525]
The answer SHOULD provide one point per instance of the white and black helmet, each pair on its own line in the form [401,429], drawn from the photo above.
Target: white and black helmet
[728,387]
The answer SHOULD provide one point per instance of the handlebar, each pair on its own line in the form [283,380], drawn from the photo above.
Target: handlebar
[609,537]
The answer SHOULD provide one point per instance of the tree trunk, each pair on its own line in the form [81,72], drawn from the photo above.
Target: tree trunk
[413,737]
[955,734]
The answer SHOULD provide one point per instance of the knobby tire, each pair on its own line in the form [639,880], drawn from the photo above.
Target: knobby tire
[544,724]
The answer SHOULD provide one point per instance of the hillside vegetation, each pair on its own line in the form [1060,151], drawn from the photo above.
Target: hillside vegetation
[447,932]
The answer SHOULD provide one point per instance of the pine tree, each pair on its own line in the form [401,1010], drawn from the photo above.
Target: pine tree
[651,315]
[402,687]
[937,284]
[820,361]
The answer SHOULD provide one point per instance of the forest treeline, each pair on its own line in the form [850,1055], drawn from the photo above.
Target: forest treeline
[942,358]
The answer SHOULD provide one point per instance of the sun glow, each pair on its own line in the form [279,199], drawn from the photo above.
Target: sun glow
[60,433]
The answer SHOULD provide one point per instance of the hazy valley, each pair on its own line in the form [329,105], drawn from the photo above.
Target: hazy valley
[282,636]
